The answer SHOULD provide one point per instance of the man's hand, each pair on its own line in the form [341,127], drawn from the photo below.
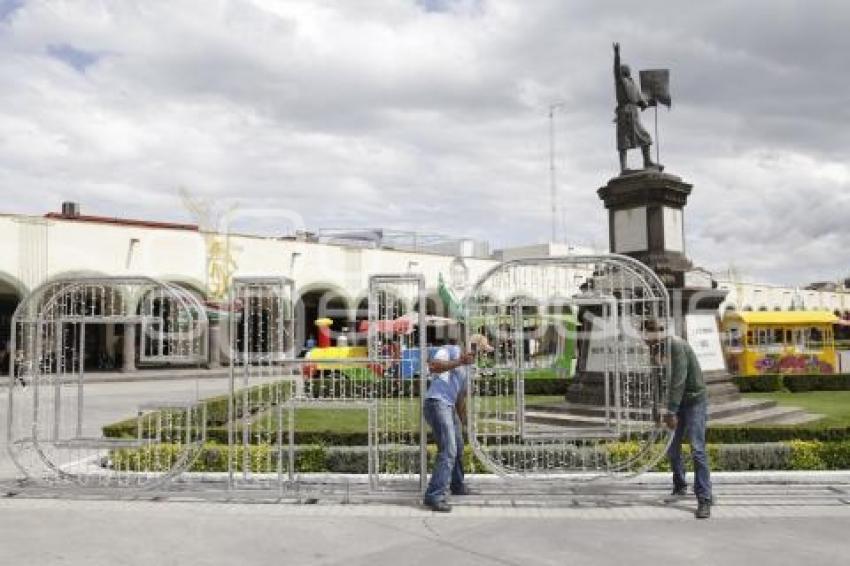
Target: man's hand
[671,421]
[467,358]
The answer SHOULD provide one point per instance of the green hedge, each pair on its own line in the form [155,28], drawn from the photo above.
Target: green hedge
[263,459]
[793,382]
[718,434]
[259,397]
[822,382]
[792,455]
[340,385]
[759,383]
[774,433]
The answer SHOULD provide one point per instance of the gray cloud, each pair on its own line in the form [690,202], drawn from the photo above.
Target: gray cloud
[431,115]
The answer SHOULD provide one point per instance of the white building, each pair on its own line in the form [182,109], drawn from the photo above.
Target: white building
[331,279]
[331,270]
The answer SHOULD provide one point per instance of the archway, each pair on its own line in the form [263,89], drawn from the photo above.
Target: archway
[435,306]
[11,294]
[318,302]
[97,343]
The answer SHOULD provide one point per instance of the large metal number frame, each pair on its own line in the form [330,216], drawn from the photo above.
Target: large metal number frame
[398,352]
[48,435]
[526,308]
[270,391]
[262,386]
[532,312]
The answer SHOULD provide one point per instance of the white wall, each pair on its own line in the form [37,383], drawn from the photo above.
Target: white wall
[181,255]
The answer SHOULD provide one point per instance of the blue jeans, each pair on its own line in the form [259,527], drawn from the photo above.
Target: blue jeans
[692,419]
[448,433]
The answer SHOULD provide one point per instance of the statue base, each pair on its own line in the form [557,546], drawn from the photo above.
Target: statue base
[646,222]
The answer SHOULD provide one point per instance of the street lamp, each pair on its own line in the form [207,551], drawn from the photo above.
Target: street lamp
[553,189]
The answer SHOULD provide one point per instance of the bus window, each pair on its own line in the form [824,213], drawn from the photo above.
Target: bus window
[734,337]
[777,337]
[750,338]
[815,338]
[764,336]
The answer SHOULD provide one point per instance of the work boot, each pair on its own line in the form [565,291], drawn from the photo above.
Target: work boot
[462,490]
[681,491]
[703,509]
[439,506]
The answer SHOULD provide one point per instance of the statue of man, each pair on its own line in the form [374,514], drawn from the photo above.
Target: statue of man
[630,132]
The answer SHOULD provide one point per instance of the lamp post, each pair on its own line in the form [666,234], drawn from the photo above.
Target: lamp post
[553,188]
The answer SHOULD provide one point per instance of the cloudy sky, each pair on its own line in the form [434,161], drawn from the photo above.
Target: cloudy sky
[433,115]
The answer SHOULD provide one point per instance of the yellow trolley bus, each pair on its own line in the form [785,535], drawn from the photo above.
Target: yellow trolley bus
[780,342]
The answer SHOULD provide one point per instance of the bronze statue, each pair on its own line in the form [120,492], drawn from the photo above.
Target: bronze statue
[630,132]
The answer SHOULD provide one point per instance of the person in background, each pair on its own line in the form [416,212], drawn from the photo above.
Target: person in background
[687,410]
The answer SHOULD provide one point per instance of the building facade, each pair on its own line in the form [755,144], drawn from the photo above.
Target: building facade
[331,274]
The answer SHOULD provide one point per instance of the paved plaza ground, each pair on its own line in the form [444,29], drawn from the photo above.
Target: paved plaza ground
[791,519]
[93,533]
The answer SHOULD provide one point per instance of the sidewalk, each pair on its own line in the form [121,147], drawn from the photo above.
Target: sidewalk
[141,375]
[50,531]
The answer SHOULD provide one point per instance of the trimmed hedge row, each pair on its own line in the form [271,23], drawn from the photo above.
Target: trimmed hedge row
[759,383]
[264,459]
[716,435]
[793,382]
[344,386]
[774,433]
[792,455]
[823,382]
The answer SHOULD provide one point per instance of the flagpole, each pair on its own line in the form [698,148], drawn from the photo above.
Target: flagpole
[657,139]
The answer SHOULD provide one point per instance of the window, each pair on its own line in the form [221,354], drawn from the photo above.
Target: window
[814,338]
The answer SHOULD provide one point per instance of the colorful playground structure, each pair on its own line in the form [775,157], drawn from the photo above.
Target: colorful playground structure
[403,361]
[398,359]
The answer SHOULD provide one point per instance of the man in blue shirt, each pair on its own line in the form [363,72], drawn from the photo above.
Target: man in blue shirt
[444,412]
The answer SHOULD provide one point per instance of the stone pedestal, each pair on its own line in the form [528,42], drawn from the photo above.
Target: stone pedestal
[646,222]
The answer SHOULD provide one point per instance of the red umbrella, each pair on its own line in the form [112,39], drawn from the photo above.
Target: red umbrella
[397,326]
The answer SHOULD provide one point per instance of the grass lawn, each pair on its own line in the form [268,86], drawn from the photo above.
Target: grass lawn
[834,405]
[404,412]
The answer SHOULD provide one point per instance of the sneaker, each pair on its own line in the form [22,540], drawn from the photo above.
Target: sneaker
[439,506]
[703,509]
[679,491]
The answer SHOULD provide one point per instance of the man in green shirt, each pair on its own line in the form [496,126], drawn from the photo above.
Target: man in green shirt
[687,410]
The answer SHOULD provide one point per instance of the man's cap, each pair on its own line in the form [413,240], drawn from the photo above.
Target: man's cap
[447,353]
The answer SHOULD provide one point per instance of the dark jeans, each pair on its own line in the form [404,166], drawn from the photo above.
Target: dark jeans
[692,419]
[448,433]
